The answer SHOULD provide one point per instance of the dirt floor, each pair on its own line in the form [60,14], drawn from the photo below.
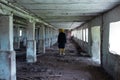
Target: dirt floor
[52,66]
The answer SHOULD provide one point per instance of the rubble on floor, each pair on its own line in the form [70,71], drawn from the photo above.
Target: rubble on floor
[52,66]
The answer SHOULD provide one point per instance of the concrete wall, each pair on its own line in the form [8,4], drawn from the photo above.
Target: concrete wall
[109,61]
[83,44]
[95,26]
[86,46]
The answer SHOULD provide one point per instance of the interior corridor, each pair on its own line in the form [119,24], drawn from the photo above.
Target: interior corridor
[52,66]
[29,32]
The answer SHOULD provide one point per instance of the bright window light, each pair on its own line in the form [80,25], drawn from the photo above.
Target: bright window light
[86,34]
[81,34]
[114,39]
[20,33]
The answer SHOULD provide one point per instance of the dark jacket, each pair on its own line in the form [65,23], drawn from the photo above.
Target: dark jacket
[61,40]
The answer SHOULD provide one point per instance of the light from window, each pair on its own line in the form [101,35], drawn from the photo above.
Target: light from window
[86,34]
[78,35]
[20,34]
[114,39]
[83,34]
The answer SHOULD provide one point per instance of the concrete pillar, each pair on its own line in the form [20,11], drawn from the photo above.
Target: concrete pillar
[31,43]
[53,34]
[36,34]
[7,54]
[45,36]
[41,46]
[49,36]
[16,37]
[37,37]
[24,37]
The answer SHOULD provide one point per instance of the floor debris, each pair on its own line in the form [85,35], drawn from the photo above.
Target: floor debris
[51,66]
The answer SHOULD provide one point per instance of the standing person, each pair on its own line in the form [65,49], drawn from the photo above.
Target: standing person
[61,41]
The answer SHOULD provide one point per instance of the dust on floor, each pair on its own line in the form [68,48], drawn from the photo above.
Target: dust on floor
[52,66]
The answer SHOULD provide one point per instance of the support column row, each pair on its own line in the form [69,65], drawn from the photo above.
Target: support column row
[7,54]
[31,43]
[41,41]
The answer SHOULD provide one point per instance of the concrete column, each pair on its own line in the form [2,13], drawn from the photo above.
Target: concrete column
[45,36]
[49,36]
[7,54]
[31,43]
[36,34]
[41,46]
[24,37]
[37,37]
[16,37]
[53,36]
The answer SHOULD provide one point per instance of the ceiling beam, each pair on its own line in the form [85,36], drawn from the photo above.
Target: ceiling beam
[67,14]
[62,1]
[7,8]
[68,6]
[66,20]
[65,11]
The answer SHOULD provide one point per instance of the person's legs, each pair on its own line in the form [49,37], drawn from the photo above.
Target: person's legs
[61,48]
[63,51]
[60,51]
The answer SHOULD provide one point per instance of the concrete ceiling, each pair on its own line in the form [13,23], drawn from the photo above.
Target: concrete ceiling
[66,13]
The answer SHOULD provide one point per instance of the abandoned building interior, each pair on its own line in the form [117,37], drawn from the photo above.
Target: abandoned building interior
[28,39]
